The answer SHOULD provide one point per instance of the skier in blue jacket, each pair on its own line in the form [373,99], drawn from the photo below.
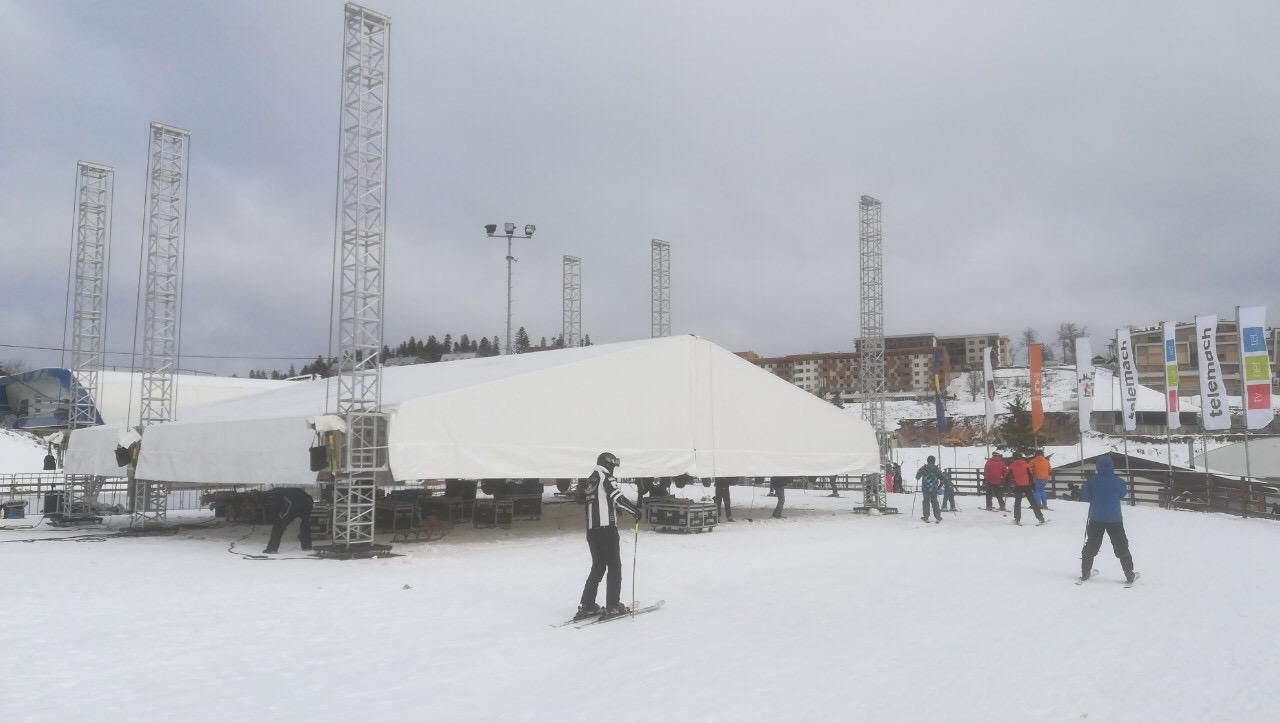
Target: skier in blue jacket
[1104,491]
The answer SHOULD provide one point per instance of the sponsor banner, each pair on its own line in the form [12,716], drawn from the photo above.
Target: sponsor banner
[1128,372]
[937,393]
[988,389]
[1215,414]
[1036,353]
[1171,374]
[1084,381]
[1255,368]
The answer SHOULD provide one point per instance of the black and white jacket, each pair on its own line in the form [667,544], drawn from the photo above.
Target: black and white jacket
[603,499]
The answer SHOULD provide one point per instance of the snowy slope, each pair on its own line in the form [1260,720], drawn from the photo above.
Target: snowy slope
[20,452]
[821,616]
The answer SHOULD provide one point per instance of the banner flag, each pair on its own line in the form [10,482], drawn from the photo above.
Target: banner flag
[988,389]
[1255,368]
[1128,379]
[1084,381]
[937,393]
[1171,374]
[1036,354]
[1215,414]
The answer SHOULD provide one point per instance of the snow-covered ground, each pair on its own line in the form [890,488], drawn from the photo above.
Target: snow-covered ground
[824,615]
[20,452]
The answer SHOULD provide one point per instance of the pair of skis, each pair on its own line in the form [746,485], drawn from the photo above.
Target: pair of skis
[1127,583]
[597,619]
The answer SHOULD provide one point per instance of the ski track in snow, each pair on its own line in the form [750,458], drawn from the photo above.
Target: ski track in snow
[823,615]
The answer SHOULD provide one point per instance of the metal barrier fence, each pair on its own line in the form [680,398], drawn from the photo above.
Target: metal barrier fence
[42,491]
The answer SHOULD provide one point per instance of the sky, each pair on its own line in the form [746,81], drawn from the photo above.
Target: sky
[1101,163]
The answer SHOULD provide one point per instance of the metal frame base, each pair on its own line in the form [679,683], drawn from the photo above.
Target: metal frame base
[359,551]
[62,519]
[881,510]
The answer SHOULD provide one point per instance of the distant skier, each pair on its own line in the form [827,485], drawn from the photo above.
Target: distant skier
[1040,471]
[948,493]
[930,477]
[50,462]
[602,497]
[289,504]
[1104,491]
[1020,473]
[834,492]
[722,497]
[993,474]
[898,484]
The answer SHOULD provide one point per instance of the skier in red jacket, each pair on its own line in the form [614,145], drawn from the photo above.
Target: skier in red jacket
[993,474]
[1020,473]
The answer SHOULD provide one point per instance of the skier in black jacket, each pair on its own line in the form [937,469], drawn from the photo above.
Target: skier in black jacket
[291,503]
[602,501]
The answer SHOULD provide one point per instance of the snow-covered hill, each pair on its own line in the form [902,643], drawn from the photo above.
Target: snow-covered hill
[820,616]
[20,452]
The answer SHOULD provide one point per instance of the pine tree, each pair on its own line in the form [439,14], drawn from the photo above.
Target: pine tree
[464,343]
[446,346]
[543,344]
[586,340]
[1014,431]
[483,350]
[521,344]
[432,350]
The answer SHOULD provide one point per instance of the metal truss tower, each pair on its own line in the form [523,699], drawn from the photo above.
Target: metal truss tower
[87,298]
[871,345]
[162,309]
[361,238]
[660,292]
[571,306]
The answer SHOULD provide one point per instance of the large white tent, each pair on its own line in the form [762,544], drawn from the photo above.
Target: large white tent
[668,406]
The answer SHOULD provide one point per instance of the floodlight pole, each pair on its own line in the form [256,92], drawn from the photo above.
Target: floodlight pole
[571,302]
[509,228]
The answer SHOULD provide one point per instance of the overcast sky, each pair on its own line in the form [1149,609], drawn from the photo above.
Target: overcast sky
[1096,162]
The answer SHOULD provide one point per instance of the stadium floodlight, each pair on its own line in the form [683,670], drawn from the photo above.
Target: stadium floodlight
[529,229]
[490,228]
[509,229]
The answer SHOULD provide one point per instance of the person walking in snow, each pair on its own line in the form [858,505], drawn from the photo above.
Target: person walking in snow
[722,497]
[930,478]
[993,474]
[289,504]
[778,488]
[602,498]
[948,493]
[1104,491]
[1020,473]
[1040,471]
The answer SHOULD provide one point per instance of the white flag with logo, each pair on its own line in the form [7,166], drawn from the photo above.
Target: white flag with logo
[988,389]
[1084,381]
[1128,366]
[1170,348]
[1214,412]
[1255,368]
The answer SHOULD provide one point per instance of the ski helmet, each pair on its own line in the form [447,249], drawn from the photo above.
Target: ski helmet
[608,460]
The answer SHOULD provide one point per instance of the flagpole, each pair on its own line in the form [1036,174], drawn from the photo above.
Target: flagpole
[1168,429]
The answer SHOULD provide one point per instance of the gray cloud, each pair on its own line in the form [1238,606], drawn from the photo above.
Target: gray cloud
[1037,163]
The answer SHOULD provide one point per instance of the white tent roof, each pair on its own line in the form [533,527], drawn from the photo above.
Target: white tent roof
[1264,458]
[675,405]
[117,390]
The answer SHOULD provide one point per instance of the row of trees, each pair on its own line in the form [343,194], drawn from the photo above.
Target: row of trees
[1068,332]
[425,351]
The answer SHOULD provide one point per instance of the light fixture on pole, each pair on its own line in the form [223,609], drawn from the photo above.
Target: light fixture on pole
[509,230]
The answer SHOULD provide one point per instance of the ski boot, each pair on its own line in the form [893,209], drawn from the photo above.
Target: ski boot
[615,610]
[587,611]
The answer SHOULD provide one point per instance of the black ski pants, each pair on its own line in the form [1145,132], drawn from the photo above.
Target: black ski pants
[1029,493]
[779,491]
[605,555]
[1093,543]
[291,504]
[997,491]
[722,497]
[930,502]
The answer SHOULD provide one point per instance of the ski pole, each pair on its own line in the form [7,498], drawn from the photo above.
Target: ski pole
[635,544]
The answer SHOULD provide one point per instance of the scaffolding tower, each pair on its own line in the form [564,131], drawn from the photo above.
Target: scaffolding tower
[660,289]
[871,347]
[361,239]
[87,299]
[164,243]
[571,304]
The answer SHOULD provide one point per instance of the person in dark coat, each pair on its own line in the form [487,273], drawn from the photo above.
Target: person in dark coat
[722,497]
[603,498]
[290,503]
[1104,492]
[930,478]
[778,488]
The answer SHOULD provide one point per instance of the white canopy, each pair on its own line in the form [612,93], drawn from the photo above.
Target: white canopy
[1264,458]
[675,405]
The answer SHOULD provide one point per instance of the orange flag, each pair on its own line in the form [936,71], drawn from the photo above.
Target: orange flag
[1037,407]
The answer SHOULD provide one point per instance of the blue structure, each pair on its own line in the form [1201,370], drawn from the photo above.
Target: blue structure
[38,399]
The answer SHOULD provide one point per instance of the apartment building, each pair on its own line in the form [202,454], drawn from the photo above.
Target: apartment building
[1148,349]
[966,350]
[908,371]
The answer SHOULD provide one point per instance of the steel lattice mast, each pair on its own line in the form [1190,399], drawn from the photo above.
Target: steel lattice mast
[660,288]
[90,265]
[571,302]
[871,344]
[361,231]
[161,326]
